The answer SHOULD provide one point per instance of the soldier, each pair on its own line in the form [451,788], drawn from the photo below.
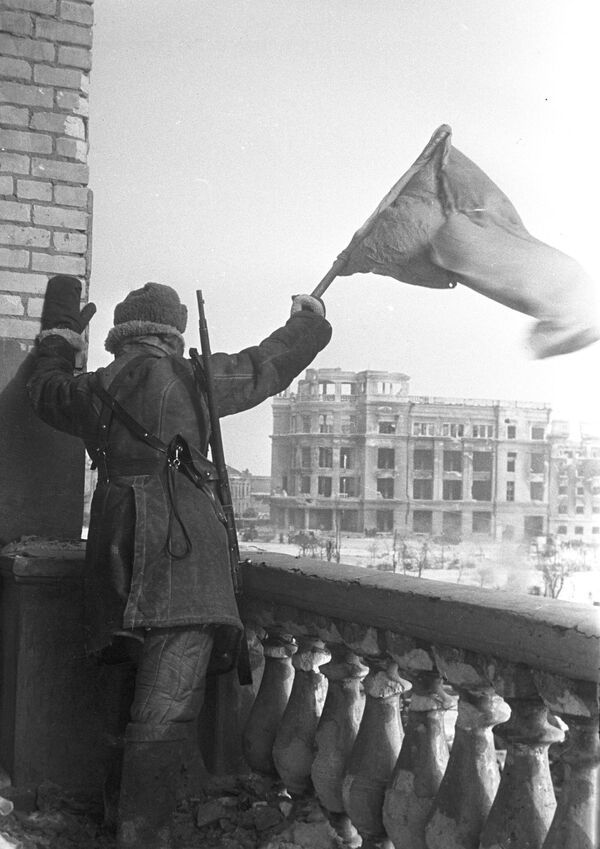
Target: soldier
[158,586]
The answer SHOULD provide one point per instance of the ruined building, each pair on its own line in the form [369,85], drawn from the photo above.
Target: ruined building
[355,451]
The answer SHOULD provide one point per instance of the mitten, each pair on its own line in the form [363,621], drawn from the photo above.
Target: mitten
[307,303]
[62,305]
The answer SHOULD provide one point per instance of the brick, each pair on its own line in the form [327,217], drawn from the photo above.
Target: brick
[43,7]
[56,216]
[34,190]
[17,115]
[16,23]
[72,149]
[13,258]
[27,142]
[70,243]
[11,281]
[76,57]
[11,305]
[11,210]
[67,33]
[27,95]
[31,237]
[52,122]
[6,185]
[78,12]
[18,328]
[71,196]
[54,169]
[70,101]
[16,68]
[58,264]
[35,307]
[75,127]
[27,48]
[65,77]
[14,162]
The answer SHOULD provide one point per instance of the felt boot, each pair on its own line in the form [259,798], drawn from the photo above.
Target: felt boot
[117,682]
[148,794]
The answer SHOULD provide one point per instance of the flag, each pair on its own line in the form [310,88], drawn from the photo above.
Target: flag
[445,222]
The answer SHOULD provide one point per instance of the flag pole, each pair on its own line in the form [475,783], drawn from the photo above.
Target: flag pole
[333,272]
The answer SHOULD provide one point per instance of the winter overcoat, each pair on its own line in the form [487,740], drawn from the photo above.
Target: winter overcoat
[139,573]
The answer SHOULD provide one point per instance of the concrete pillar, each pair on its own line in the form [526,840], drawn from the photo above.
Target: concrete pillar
[374,753]
[524,806]
[294,744]
[270,703]
[336,735]
[45,227]
[438,469]
[420,766]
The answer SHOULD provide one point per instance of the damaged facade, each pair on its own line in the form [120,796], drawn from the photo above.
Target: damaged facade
[354,451]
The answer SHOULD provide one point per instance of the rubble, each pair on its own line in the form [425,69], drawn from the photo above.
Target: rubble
[228,812]
[35,546]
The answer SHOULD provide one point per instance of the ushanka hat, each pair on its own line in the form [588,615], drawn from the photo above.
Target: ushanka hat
[154,302]
[155,309]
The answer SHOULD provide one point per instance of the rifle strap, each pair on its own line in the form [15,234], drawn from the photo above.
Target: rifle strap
[177,451]
[178,459]
[133,426]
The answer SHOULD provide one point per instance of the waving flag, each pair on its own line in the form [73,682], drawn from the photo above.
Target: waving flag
[445,222]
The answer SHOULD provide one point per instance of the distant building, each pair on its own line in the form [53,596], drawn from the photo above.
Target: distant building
[239,489]
[575,485]
[355,452]
[260,495]
[250,494]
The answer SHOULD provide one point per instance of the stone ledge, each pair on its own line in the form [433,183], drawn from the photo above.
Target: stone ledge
[36,559]
[545,634]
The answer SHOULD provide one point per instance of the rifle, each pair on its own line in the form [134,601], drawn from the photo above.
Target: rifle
[204,367]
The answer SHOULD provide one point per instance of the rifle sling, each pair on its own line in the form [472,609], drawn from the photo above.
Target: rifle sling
[177,452]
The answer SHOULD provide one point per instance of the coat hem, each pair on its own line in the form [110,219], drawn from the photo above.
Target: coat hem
[100,641]
[178,622]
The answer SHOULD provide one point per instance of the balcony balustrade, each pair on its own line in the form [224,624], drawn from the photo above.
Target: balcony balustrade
[421,714]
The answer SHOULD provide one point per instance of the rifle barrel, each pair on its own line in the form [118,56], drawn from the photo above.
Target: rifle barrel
[216,442]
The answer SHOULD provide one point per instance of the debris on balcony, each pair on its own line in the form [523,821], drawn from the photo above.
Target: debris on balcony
[231,812]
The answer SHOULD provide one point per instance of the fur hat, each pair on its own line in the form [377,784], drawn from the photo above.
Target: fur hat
[153,303]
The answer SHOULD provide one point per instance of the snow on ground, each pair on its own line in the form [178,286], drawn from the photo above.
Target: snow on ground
[488,565]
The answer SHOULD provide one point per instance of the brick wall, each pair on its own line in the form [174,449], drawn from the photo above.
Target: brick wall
[45,228]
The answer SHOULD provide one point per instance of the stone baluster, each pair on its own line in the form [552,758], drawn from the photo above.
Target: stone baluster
[336,734]
[374,753]
[472,776]
[270,703]
[576,822]
[421,764]
[294,745]
[525,803]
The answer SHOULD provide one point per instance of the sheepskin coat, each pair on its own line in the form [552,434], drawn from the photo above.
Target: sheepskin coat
[133,580]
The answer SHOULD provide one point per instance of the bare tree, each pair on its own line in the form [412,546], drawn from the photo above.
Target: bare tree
[554,564]
[423,559]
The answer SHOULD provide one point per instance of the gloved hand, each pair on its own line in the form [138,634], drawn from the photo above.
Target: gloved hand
[307,302]
[62,305]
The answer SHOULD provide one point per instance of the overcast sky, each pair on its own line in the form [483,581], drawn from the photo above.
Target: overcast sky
[236,147]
